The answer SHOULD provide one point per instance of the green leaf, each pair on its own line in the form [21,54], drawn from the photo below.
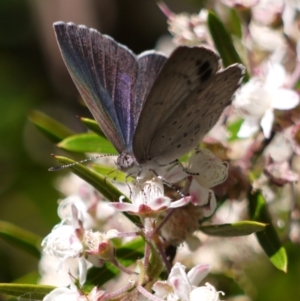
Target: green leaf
[235,229]
[98,181]
[234,25]
[223,42]
[127,255]
[268,238]
[26,291]
[87,143]
[233,129]
[93,126]
[21,238]
[52,129]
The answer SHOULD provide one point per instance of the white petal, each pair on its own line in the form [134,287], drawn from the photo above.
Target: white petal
[267,123]
[285,99]
[205,293]
[276,76]
[210,209]
[248,128]
[198,273]
[161,289]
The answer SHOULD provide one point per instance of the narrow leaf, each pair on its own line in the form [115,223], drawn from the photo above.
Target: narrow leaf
[223,42]
[98,181]
[268,238]
[20,238]
[235,229]
[26,291]
[87,143]
[52,129]
[93,126]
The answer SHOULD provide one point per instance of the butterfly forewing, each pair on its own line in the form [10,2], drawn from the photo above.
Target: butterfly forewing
[112,81]
[196,115]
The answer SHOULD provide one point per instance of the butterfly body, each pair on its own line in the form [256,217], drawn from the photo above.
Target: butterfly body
[152,108]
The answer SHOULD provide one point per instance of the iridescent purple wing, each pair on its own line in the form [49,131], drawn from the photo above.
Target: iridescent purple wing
[112,81]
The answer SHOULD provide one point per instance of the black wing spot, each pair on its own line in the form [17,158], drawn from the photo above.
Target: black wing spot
[189,114]
[197,126]
[174,122]
[179,145]
[180,126]
[203,67]
[199,91]
[185,134]
[205,76]
[163,137]
[189,82]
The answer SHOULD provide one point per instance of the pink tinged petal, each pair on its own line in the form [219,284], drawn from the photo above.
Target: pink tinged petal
[285,99]
[198,273]
[179,281]
[199,194]
[159,203]
[125,207]
[182,202]
[248,128]
[267,123]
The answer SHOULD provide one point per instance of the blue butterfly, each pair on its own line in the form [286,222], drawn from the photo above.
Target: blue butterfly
[153,109]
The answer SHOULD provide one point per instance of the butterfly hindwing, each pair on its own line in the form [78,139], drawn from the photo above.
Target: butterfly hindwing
[187,69]
[195,116]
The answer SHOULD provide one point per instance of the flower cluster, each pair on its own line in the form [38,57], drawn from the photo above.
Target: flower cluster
[251,148]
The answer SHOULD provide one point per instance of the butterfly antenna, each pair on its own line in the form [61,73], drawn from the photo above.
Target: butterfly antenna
[56,168]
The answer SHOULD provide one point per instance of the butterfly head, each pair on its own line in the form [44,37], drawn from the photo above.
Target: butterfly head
[127,163]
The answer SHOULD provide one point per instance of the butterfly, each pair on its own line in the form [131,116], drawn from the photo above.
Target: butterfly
[152,108]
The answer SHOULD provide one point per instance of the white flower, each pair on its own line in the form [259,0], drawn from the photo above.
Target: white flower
[62,242]
[211,172]
[257,100]
[73,294]
[65,242]
[98,246]
[148,199]
[187,29]
[184,286]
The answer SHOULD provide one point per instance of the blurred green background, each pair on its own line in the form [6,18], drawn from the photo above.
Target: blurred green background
[33,77]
